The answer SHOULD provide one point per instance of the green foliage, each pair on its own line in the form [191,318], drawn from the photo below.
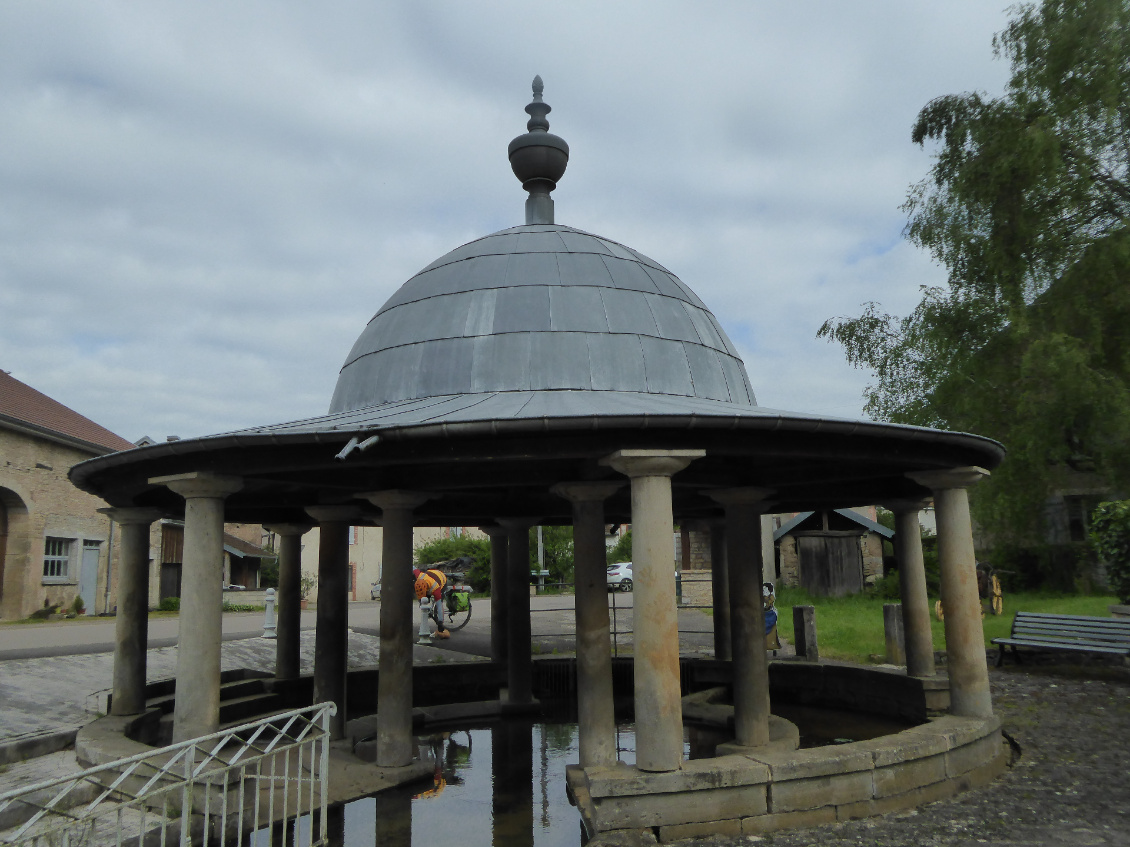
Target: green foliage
[1110,538]
[78,606]
[445,549]
[558,544]
[621,551]
[269,573]
[306,583]
[241,607]
[170,604]
[1026,206]
[851,628]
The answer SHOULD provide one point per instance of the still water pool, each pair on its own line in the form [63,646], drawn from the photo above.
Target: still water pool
[503,784]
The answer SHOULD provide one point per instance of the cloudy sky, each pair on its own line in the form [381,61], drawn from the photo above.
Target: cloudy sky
[202,204]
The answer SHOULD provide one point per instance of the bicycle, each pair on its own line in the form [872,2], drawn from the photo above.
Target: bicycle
[455,607]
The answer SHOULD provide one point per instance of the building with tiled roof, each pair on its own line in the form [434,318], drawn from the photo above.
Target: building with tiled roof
[55,545]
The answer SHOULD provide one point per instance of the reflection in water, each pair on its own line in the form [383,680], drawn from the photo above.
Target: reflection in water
[504,784]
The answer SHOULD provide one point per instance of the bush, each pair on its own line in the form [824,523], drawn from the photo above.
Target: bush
[78,606]
[558,544]
[446,549]
[170,604]
[621,551]
[269,573]
[1110,538]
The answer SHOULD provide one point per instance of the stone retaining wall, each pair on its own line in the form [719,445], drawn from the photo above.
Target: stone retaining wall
[754,793]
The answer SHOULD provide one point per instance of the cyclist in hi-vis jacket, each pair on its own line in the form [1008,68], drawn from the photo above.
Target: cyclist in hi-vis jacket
[431,583]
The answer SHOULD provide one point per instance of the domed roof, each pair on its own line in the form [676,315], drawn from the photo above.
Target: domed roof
[541,308]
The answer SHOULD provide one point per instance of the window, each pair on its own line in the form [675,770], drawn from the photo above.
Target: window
[57,559]
[353,535]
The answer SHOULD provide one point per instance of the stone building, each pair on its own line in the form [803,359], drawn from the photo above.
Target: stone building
[54,543]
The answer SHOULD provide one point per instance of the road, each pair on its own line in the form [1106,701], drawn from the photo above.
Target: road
[552,628]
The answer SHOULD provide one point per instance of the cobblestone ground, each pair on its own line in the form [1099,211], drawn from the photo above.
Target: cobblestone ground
[1069,788]
[64,692]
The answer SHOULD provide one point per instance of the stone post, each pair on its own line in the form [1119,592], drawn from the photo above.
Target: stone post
[519,655]
[912,588]
[747,613]
[289,599]
[197,709]
[596,715]
[331,637]
[894,635]
[132,625]
[394,685]
[659,712]
[720,591]
[499,592]
[965,637]
[804,633]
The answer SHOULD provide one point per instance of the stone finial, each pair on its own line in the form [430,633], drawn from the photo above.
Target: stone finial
[537,109]
[538,158]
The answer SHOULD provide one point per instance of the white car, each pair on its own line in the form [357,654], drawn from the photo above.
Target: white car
[375,591]
[620,577]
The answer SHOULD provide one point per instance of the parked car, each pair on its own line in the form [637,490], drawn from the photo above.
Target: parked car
[620,577]
[375,591]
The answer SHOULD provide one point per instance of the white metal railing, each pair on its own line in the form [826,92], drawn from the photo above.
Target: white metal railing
[223,788]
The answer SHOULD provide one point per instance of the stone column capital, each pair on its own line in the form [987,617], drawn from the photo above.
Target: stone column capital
[132,515]
[199,484]
[512,524]
[493,530]
[906,505]
[949,477]
[744,496]
[586,492]
[286,529]
[397,498]
[634,463]
[336,514]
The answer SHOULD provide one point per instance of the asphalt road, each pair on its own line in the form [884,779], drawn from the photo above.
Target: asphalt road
[552,626]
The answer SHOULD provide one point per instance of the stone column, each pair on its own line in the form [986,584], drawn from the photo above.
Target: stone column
[289,599]
[132,625]
[965,637]
[197,709]
[720,591]
[659,711]
[394,685]
[519,657]
[596,714]
[331,636]
[912,587]
[747,613]
[499,592]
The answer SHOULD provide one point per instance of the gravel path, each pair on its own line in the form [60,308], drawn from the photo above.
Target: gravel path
[1069,788]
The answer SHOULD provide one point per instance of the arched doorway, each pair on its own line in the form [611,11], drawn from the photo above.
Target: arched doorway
[13,554]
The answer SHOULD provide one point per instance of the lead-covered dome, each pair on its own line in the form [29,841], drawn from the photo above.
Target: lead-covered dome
[541,307]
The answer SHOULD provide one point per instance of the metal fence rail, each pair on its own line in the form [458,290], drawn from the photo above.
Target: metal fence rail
[219,789]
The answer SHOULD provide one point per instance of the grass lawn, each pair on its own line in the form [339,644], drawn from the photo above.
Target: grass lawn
[851,628]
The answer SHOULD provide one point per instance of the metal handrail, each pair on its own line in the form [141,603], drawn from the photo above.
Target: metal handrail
[167,794]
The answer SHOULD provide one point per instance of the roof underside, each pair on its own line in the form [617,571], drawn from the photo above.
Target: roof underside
[481,464]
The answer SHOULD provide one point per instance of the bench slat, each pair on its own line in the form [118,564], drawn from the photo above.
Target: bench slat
[1077,633]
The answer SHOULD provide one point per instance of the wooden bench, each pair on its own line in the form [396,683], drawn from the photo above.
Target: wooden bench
[1080,633]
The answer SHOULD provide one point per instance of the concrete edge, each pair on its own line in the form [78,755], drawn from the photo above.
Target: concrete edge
[36,745]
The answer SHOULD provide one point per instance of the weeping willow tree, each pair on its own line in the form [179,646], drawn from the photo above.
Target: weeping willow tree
[1026,207]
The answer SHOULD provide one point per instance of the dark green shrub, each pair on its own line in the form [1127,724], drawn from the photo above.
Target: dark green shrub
[446,549]
[170,604]
[1110,538]
[621,551]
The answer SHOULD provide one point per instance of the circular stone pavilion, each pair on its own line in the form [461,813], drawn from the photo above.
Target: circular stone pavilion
[545,375]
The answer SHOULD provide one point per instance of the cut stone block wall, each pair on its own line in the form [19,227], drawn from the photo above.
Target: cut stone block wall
[754,793]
